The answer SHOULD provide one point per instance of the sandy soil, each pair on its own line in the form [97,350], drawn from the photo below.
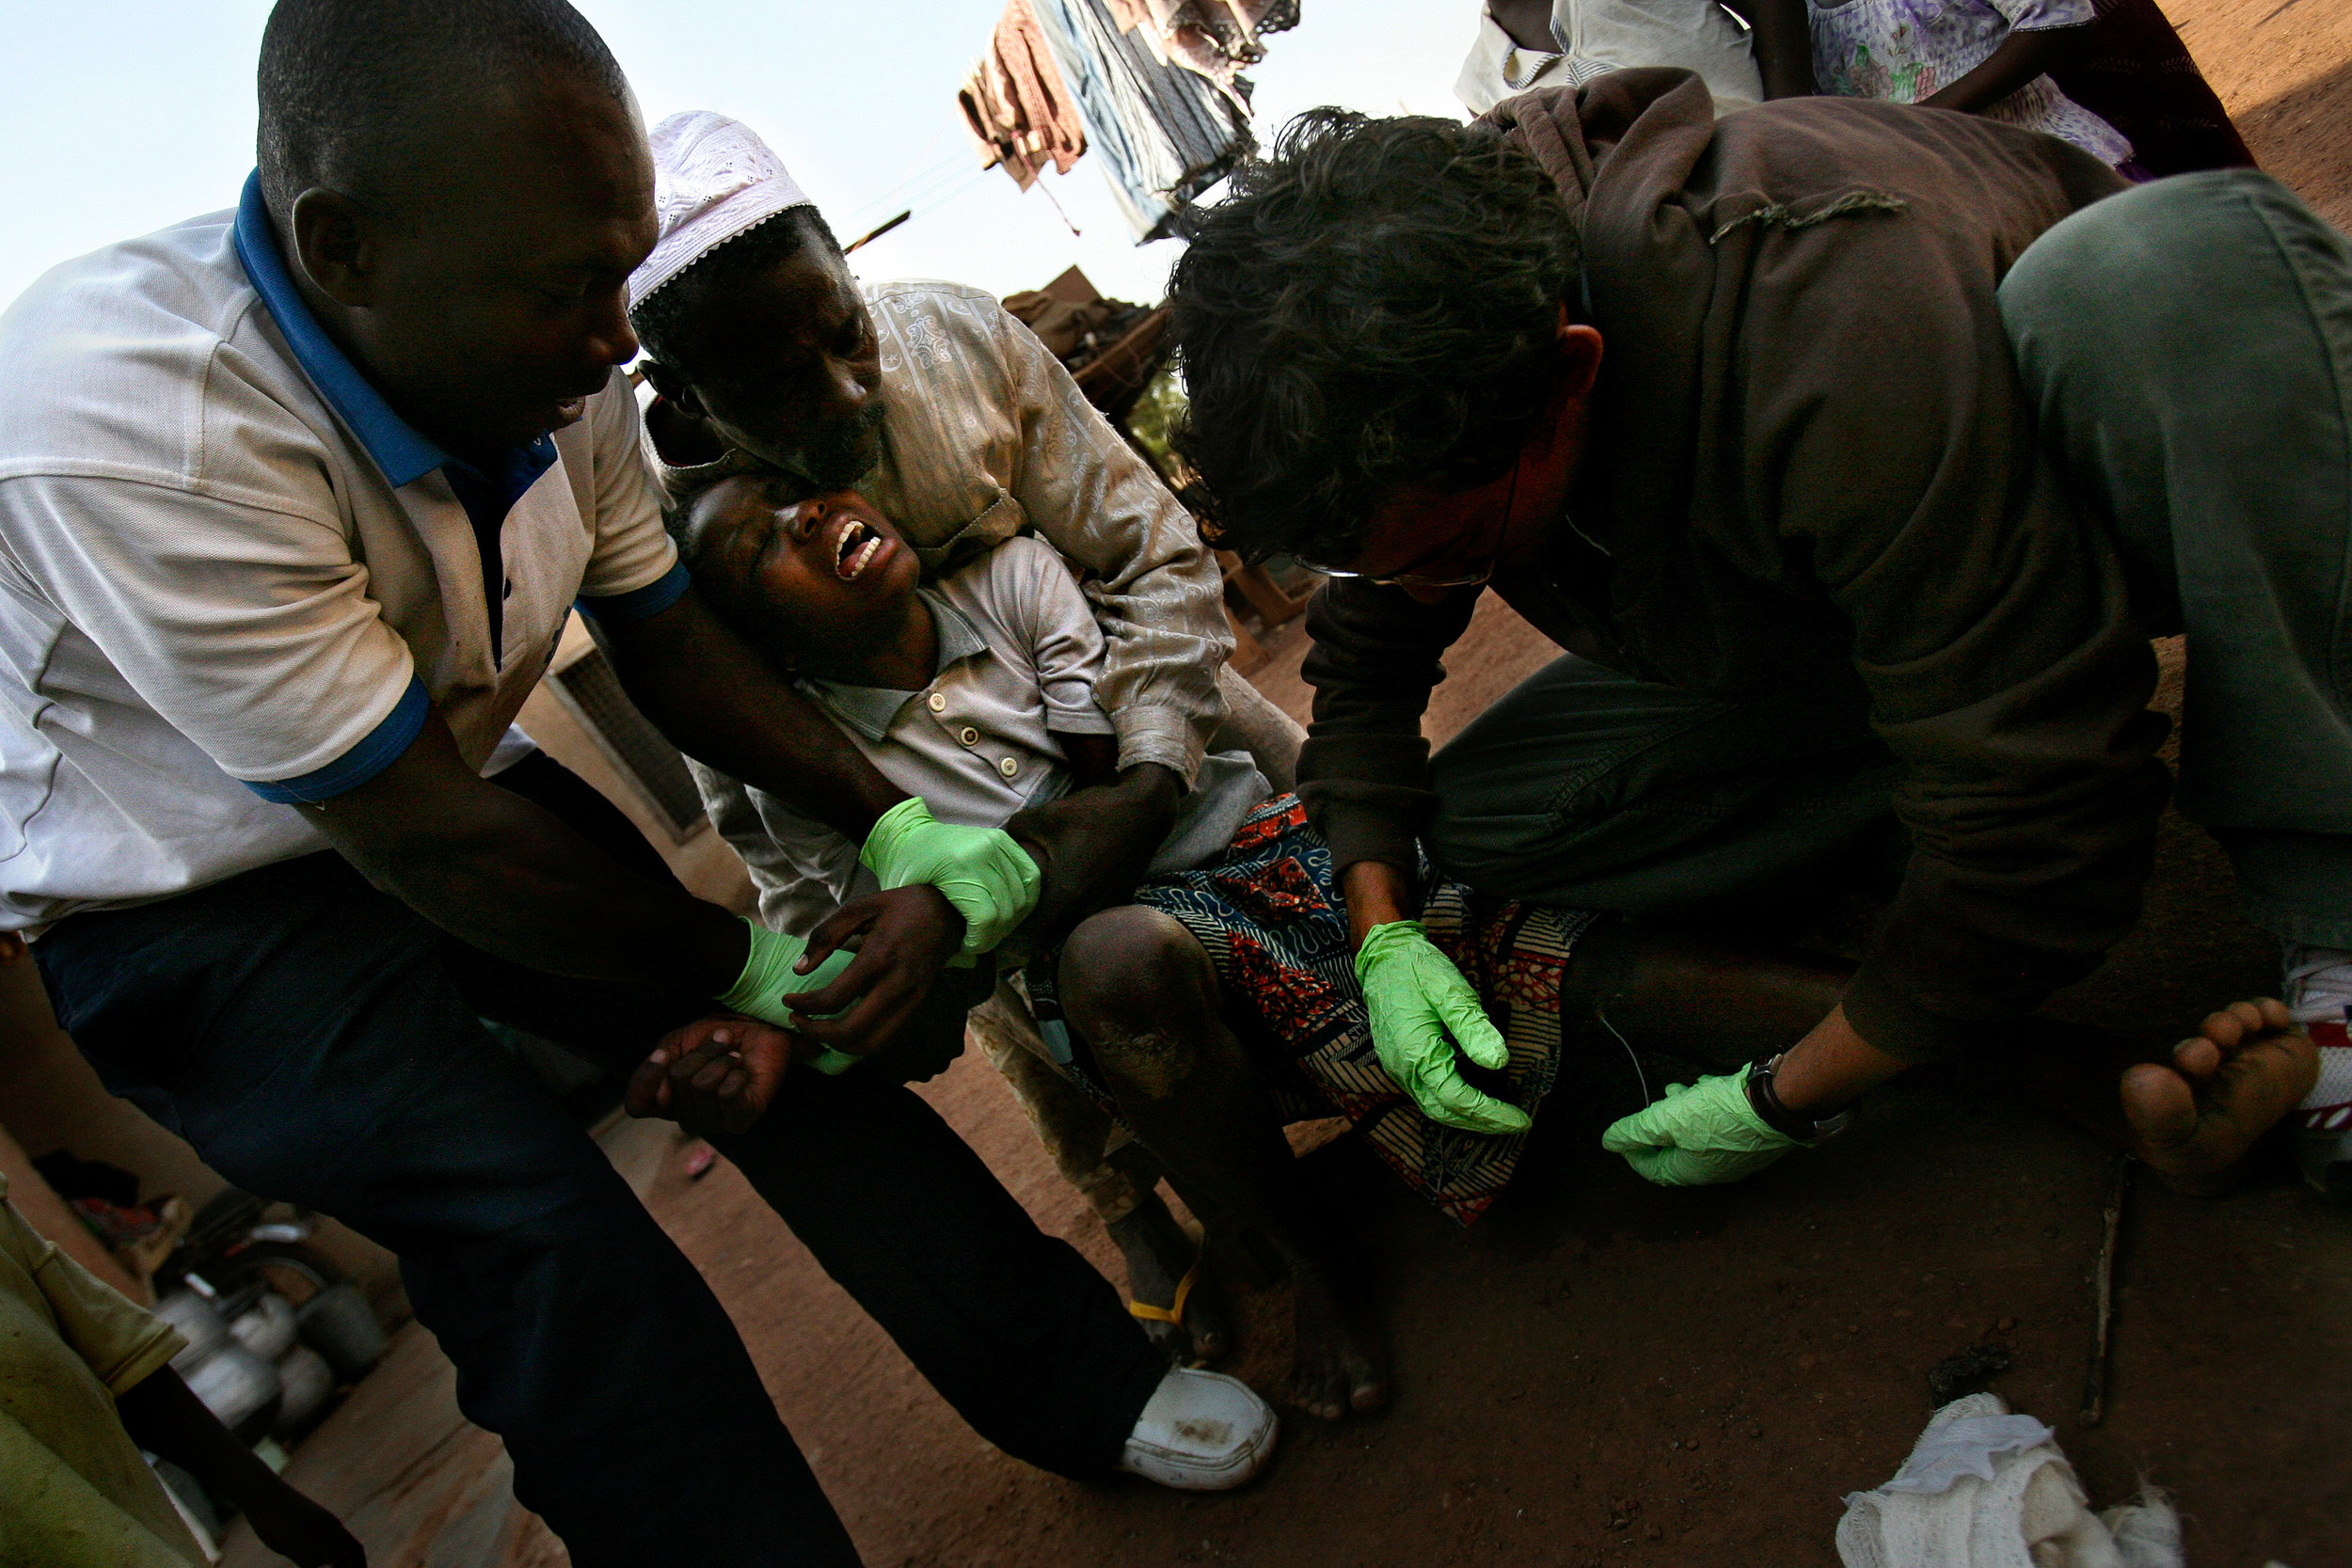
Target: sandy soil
[1605,1373]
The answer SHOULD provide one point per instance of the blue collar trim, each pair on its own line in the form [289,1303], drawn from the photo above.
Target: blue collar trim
[405,455]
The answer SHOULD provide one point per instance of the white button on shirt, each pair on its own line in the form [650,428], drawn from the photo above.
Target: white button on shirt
[207,579]
[1019,656]
[1002,691]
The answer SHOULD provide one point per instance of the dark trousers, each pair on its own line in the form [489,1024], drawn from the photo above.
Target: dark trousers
[2188,347]
[1587,788]
[318,1041]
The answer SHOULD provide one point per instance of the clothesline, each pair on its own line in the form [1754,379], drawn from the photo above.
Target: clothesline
[935,189]
[923,165]
[1151,86]
[946,197]
[903,193]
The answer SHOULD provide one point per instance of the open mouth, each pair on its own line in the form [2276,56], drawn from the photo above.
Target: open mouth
[854,547]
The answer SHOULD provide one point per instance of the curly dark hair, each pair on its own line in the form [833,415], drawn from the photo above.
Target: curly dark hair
[664,318]
[1375,303]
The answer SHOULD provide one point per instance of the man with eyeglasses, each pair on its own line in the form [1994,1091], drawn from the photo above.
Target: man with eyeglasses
[1845,597]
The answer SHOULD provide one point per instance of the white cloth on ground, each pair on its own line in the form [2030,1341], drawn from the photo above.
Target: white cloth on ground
[1986,1489]
[2319,992]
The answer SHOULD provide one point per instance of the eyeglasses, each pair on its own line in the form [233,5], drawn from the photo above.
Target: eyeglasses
[1429,580]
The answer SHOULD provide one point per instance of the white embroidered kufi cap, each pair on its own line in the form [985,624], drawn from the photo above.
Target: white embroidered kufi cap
[712,179]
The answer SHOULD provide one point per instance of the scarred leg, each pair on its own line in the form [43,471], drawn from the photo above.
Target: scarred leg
[1159,1256]
[1144,995]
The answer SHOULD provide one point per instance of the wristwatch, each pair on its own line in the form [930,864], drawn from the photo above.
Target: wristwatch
[1765,1101]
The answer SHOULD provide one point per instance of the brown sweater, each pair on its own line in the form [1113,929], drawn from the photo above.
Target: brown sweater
[1811,462]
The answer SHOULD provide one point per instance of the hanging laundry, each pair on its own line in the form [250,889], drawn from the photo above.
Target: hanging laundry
[1216,39]
[1164,134]
[1015,105]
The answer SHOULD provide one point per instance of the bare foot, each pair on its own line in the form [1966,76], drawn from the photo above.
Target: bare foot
[2194,1121]
[1342,1361]
[1158,1254]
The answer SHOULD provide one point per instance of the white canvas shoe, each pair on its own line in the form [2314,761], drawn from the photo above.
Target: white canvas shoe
[1201,1431]
[2319,994]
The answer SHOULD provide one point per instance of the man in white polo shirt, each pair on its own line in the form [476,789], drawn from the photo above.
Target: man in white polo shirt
[293,502]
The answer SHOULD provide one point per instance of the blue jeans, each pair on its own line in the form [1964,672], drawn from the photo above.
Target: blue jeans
[2188,346]
[316,1041]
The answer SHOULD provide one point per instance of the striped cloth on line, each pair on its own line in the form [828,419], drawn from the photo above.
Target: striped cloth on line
[1164,134]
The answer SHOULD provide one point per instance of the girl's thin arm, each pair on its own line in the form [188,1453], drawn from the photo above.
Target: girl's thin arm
[2021,58]
[1781,35]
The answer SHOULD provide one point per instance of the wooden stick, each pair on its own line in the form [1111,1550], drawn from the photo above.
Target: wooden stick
[880,229]
[2095,1385]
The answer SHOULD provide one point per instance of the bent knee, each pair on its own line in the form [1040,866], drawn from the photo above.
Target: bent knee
[2094,282]
[1140,988]
[1130,959]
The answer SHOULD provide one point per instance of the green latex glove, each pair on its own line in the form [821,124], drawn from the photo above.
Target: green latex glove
[990,879]
[1699,1135]
[768,980]
[1415,994]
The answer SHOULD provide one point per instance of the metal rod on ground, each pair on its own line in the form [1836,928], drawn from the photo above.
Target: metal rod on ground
[2095,1383]
[876,232]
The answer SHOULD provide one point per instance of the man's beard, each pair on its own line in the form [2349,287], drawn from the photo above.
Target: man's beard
[839,456]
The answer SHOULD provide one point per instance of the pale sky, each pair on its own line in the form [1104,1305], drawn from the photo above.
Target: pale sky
[122,116]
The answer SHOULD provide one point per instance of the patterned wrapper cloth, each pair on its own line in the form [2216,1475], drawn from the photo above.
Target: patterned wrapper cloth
[1268,915]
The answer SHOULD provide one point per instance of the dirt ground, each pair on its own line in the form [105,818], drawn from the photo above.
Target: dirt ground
[1605,1373]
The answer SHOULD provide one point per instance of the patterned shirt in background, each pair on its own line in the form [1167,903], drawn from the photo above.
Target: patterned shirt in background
[1906,51]
[985,436]
[1597,37]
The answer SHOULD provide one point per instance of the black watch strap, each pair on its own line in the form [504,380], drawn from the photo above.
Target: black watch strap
[1765,1100]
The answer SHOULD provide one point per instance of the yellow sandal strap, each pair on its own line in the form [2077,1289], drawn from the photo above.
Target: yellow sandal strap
[1169,1314]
